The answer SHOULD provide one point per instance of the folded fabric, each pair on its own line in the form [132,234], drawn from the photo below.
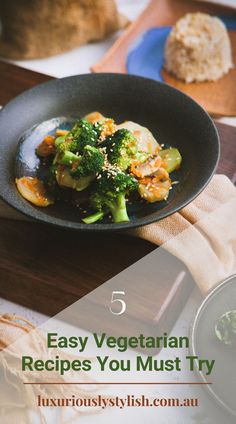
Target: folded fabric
[202,235]
[18,336]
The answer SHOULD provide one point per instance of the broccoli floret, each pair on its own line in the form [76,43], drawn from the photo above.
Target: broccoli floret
[91,162]
[98,127]
[121,147]
[108,195]
[81,135]
[104,128]
[78,171]
[67,158]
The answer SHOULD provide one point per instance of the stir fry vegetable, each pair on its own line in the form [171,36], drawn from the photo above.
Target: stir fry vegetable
[106,161]
[33,190]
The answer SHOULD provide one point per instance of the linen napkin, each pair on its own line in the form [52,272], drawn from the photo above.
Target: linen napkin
[202,235]
[18,401]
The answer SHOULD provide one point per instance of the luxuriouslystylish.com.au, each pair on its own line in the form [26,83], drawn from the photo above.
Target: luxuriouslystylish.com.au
[103,402]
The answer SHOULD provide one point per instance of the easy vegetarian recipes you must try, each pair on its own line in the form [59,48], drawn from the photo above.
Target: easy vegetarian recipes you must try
[100,167]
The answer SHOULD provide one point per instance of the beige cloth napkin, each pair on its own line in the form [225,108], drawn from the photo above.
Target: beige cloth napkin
[202,235]
[18,337]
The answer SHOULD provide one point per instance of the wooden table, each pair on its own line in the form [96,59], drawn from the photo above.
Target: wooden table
[47,269]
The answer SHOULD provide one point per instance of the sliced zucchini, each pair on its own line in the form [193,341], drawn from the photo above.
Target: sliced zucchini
[172,158]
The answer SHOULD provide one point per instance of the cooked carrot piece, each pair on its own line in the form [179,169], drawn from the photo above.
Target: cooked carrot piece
[47,147]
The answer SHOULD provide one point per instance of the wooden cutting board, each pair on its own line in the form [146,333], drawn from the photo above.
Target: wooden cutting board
[218,98]
[47,269]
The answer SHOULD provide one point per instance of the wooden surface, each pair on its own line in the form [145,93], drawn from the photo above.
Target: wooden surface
[47,269]
[14,80]
[217,98]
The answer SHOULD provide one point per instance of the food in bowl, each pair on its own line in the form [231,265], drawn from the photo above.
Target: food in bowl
[105,165]
[225,328]
[198,49]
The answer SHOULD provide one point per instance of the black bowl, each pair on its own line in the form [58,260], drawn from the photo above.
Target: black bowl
[174,118]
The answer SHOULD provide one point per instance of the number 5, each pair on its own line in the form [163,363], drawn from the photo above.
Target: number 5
[118,300]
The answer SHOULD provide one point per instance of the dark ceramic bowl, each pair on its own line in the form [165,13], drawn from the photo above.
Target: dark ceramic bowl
[174,119]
